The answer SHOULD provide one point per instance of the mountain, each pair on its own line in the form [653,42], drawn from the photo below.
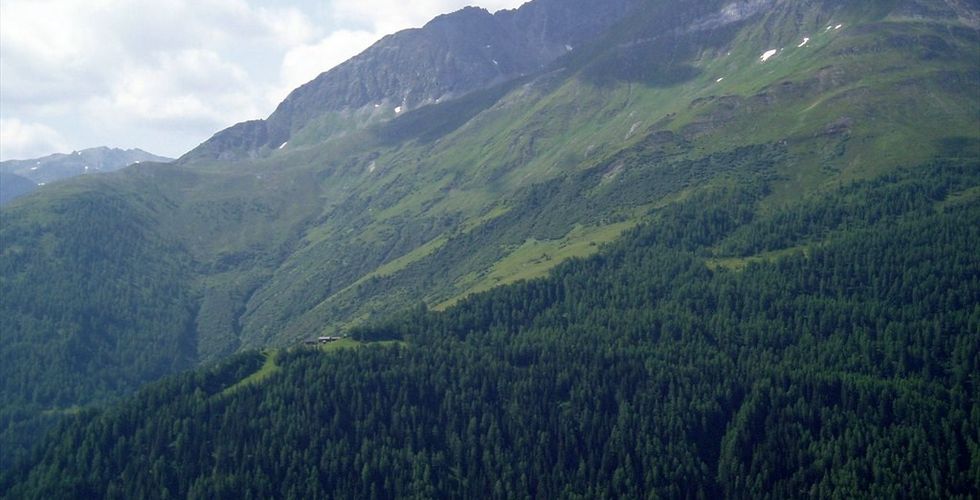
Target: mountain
[451,56]
[835,358]
[458,196]
[13,186]
[56,167]
[817,117]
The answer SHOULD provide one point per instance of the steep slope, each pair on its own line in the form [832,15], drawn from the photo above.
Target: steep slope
[842,366]
[14,186]
[57,167]
[452,55]
[96,302]
[547,162]
[357,218]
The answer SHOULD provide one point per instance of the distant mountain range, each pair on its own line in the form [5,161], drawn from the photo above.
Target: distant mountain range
[20,177]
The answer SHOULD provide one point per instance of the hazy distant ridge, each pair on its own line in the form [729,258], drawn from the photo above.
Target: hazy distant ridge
[60,166]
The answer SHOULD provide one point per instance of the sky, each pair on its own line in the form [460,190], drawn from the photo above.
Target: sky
[165,75]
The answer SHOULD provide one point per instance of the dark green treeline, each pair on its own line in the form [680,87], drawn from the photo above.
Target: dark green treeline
[828,349]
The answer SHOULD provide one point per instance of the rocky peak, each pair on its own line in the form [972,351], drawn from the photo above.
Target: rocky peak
[450,56]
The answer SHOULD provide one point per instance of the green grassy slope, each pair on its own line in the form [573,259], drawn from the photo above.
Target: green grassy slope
[842,106]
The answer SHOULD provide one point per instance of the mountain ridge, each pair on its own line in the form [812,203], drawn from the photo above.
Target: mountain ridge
[464,51]
[60,166]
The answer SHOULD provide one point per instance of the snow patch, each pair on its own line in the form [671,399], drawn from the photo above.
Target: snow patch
[35,167]
[398,110]
[86,168]
[719,80]
[569,47]
[495,63]
[372,166]
[283,145]
[839,26]
[829,28]
[633,130]
[767,54]
[805,41]
[377,106]
[731,13]
[41,183]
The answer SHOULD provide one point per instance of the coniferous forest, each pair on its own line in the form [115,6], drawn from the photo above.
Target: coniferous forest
[571,250]
[828,348]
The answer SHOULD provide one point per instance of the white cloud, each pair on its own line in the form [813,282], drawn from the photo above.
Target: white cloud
[49,32]
[128,66]
[27,140]
[186,88]
[388,16]
[166,74]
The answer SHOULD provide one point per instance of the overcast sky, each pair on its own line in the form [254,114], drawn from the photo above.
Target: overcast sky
[164,75]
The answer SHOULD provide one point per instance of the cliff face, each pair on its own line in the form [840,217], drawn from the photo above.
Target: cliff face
[450,56]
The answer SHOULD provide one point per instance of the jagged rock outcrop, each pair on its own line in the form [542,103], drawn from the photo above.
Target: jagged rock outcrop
[450,56]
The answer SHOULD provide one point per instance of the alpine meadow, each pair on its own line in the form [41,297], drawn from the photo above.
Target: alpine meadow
[578,249]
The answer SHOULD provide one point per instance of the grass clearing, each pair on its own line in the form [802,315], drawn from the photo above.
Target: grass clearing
[349,343]
[404,261]
[268,369]
[346,343]
[959,198]
[71,410]
[740,263]
[535,258]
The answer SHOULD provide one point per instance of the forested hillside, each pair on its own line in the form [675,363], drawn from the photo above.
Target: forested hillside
[624,257]
[93,314]
[829,348]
